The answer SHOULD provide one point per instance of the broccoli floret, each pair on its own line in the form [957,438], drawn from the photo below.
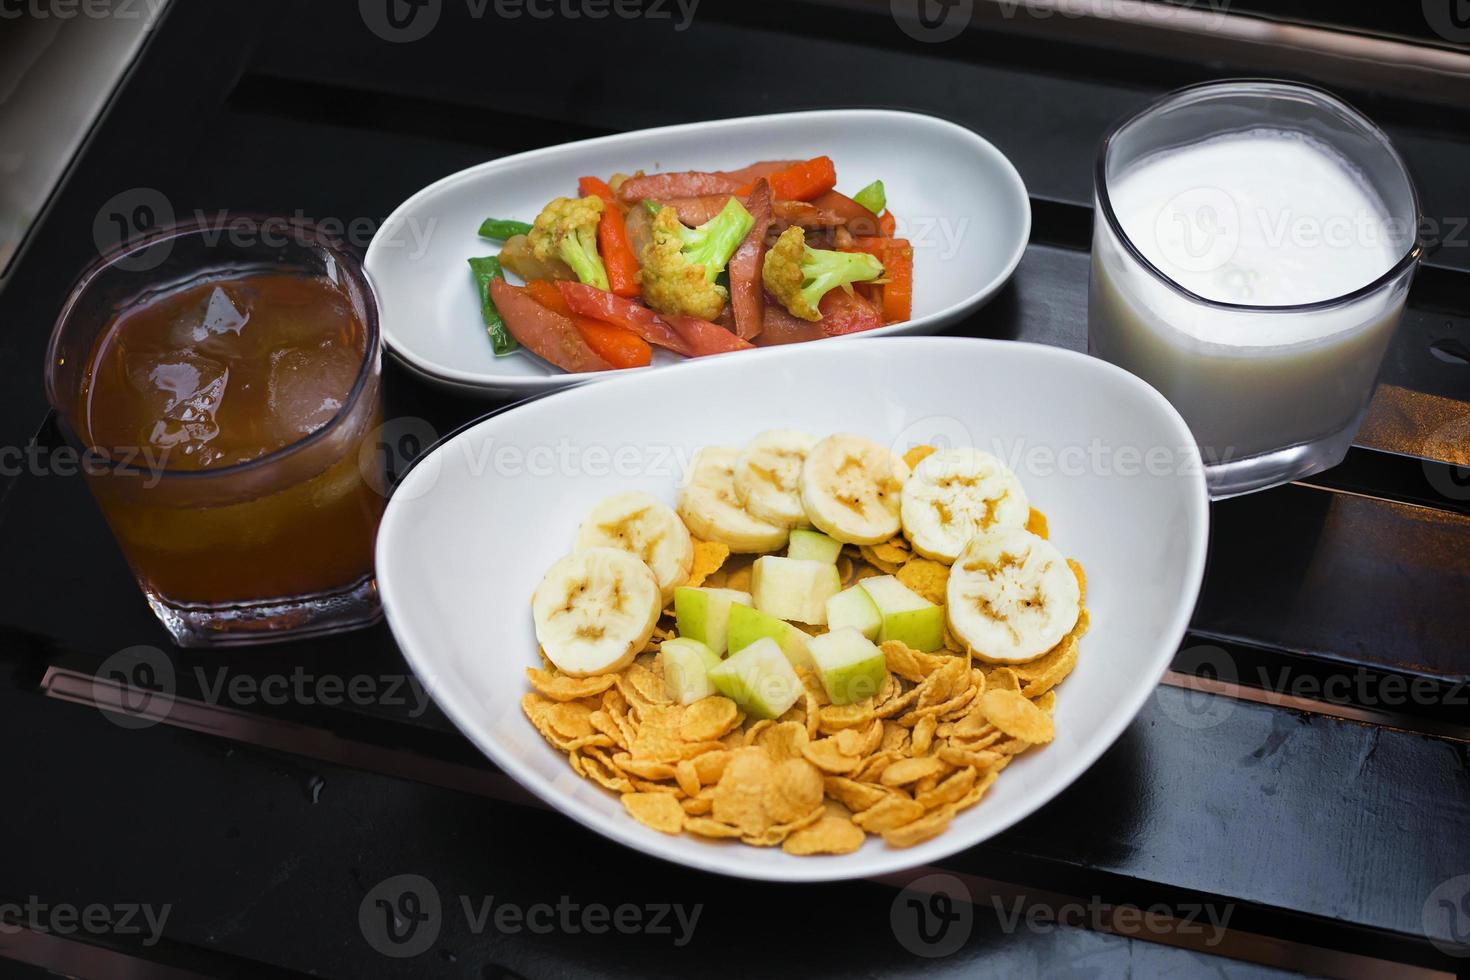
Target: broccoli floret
[566,229]
[680,264]
[799,276]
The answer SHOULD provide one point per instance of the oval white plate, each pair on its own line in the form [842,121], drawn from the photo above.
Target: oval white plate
[474,525]
[959,200]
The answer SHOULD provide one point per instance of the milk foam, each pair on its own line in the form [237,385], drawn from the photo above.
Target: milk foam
[1264,218]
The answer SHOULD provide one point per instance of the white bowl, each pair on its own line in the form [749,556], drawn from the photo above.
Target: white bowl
[957,197]
[477,521]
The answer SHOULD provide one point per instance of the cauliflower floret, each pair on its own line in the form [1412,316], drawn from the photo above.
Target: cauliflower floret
[566,229]
[672,281]
[799,276]
[781,273]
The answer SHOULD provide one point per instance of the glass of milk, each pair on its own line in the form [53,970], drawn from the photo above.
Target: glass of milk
[1252,248]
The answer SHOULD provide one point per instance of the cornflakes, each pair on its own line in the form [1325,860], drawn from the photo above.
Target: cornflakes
[709,556]
[657,810]
[707,719]
[829,835]
[929,579]
[1010,712]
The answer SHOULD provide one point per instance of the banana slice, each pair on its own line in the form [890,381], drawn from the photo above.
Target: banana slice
[954,495]
[647,527]
[768,476]
[850,489]
[1011,596]
[594,610]
[712,510]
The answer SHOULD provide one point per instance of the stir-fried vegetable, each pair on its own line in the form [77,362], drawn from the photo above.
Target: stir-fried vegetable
[898,291]
[686,335]
[600,305]
[872,197]
[567,229]
[798,276]
[711,244]
[897,257]
[500,229]
[613,242]
[681,264]
[595,187]
[517,258]
[802,181]
[543,332]
[485,268]
[620,348]
[681,260]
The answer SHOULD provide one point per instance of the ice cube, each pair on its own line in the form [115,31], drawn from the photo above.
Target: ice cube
[182,391]
[213,322]
[177,381]
[220,316]
[309,385]
[300,312]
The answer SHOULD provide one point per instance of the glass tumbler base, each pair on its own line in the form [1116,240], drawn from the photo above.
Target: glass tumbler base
[271,620]
[1266,470]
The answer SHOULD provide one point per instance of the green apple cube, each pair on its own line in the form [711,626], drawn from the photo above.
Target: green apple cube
[907,616]
[704,614]
[687,664]
[813,545]
[795,589]
[852,607]
[749,625]
[851,665]
[760,679]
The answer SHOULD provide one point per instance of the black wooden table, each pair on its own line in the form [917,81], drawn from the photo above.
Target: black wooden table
[1295,798]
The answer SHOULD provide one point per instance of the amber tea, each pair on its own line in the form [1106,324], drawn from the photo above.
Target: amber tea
[234,405]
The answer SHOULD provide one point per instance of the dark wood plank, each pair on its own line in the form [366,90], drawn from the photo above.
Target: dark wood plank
[1277,808]
[1341,576]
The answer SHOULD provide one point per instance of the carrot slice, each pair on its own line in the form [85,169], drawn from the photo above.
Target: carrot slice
[544,291]
[617,253]
[897,256]
[887,224]
[898,291]
[619,347]
[802,182]
[594,187]
[613,244]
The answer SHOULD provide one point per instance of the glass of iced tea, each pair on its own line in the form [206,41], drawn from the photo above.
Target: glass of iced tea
[221,383]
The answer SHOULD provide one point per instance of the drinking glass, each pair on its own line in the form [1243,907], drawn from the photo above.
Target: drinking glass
[1271,393]
[274,547]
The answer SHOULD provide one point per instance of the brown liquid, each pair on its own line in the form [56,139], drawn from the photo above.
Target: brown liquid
[225,372]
